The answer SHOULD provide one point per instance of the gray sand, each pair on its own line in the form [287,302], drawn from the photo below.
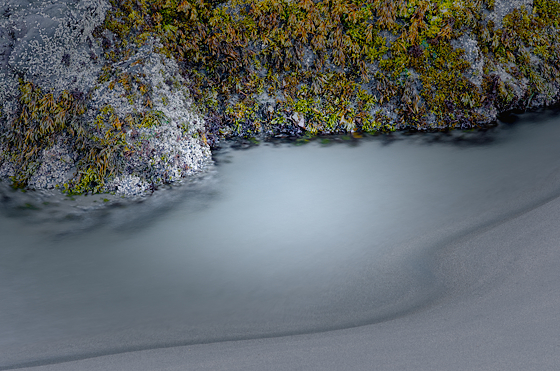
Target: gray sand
[430,253]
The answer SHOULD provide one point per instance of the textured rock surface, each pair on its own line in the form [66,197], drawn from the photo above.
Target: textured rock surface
[51,44]
[473,56]
[503,7]
[56,167]
[165,153]
[139,106]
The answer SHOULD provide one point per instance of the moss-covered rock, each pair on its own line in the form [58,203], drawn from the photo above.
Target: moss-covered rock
[152,83]
[279,67]
[74,117]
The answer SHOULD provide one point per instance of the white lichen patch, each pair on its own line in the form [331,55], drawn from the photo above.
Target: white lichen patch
[473,56]
[504,7]
[128,185]
[50,43]
[160,153]
[56,167]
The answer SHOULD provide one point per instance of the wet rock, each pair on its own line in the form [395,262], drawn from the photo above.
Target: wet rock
[472,55]
[159,153]
[51,43]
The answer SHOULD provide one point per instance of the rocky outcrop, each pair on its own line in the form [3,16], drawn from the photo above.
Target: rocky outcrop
[504,7]
[50,44]
[172,148]
[95,97]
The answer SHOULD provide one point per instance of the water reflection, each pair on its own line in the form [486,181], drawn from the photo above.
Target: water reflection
[280,239]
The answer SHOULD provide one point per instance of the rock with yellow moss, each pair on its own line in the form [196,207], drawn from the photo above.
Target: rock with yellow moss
[71,117]
[131,94]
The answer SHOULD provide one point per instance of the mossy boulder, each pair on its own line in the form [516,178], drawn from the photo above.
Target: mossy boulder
[75,119]
[147,86]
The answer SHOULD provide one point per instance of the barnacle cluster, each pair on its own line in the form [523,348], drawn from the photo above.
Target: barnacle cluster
[142,128]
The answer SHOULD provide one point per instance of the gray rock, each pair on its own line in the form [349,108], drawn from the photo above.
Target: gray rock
[473,56]
[51,43]
[56,167]
[503,7]
[162,153]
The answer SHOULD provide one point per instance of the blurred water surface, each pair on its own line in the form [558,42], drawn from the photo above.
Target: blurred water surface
[276,239]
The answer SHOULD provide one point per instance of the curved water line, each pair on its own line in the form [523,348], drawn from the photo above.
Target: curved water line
[457,238]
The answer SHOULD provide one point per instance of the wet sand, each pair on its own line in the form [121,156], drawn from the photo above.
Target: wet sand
[424,252]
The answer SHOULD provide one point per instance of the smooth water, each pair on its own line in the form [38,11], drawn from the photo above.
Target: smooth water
[278,239]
